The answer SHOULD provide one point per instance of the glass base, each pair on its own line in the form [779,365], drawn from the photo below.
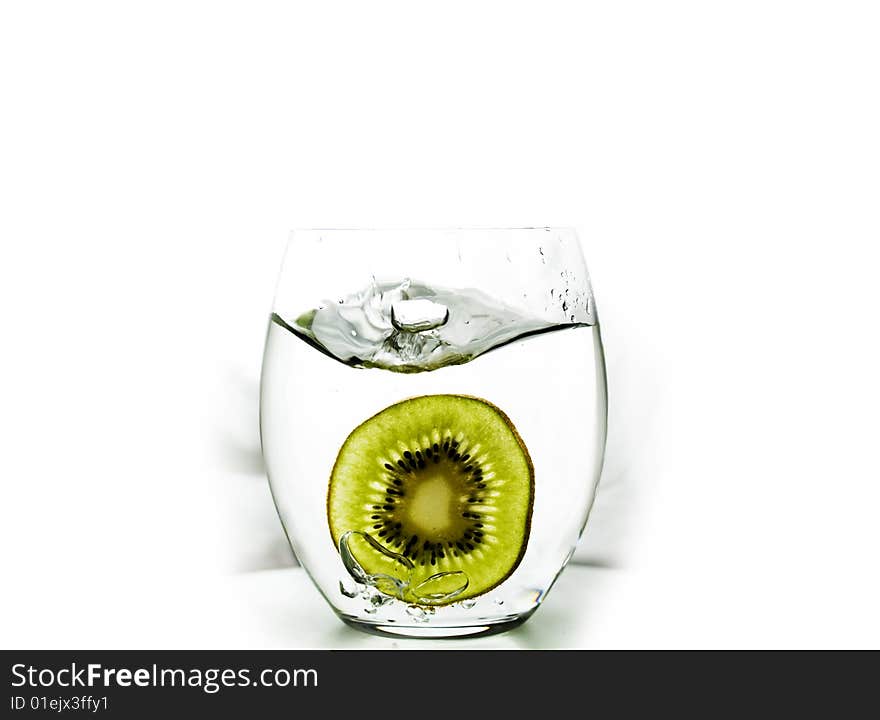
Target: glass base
[436,632]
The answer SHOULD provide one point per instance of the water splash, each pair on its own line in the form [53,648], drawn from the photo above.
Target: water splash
[410,327]
[395,585]
[441,587]
[418,315]
[437,589]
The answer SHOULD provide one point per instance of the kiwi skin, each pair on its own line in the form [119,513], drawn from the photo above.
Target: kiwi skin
[527,527]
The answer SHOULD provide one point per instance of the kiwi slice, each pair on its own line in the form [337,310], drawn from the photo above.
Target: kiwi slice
[441,485]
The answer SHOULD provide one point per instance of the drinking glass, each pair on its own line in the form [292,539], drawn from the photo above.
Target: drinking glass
[433,415]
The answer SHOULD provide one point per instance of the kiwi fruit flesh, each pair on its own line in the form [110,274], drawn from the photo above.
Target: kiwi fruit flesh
[444,481]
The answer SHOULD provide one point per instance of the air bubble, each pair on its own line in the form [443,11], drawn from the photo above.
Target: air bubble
[378,601]
[416,613]
[348,593]
[390,585]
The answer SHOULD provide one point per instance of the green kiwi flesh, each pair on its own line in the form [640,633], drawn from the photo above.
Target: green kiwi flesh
[444,481]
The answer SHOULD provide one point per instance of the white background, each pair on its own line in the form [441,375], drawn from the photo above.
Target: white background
[720,160]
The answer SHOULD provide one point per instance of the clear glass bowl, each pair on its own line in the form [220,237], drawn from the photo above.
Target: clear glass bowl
[367,319]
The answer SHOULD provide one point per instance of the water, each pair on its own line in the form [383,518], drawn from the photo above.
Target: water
[330,368]
[411,327]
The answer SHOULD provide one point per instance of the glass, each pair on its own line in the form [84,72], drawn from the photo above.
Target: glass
[433,413]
